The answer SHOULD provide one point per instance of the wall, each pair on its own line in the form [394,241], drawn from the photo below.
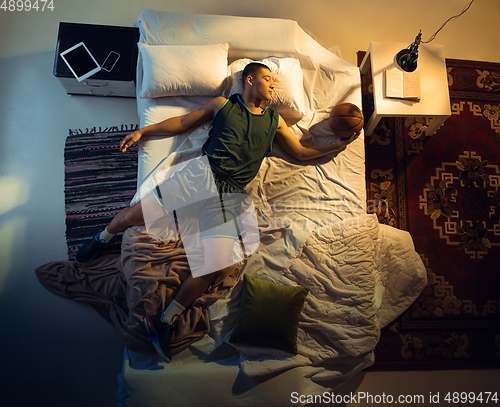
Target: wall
[350,24]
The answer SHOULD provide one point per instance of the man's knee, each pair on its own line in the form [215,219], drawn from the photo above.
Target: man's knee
[134,215]
[217,276]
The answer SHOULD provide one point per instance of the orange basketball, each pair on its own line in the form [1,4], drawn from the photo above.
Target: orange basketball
[346,119]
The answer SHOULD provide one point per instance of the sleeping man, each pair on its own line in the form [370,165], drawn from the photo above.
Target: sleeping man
[241,136]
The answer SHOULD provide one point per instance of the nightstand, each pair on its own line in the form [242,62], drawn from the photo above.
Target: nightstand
[100,40]
[435,98]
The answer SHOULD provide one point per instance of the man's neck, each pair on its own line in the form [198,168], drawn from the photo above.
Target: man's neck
[253,104]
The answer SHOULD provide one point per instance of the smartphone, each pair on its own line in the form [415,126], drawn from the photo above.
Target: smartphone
[110,61]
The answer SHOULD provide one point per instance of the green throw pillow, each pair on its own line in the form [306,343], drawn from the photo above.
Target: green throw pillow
[269,314]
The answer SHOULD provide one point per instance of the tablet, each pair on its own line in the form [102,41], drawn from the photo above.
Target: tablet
[80,61]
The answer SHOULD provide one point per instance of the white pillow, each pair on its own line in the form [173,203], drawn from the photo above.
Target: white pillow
[174,70]
[288,98]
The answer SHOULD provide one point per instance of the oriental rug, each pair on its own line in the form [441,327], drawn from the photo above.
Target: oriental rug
[99,181]
[444,189]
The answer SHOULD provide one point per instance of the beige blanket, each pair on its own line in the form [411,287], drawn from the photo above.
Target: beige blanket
[141,282]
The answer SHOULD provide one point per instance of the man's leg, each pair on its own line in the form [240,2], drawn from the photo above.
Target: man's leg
[194,181]
[217,254]
[130,216]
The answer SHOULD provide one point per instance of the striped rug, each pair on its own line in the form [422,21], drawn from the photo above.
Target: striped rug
[99,181]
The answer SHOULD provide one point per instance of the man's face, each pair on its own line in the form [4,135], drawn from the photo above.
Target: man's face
[263,83]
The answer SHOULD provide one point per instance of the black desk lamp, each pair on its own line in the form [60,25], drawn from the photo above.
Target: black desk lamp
[407,58]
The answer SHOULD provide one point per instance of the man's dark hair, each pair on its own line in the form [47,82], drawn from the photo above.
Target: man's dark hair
[250,70]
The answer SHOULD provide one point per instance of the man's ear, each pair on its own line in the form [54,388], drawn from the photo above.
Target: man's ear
[249,80]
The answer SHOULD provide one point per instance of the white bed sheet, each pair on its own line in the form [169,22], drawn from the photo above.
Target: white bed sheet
[368,274]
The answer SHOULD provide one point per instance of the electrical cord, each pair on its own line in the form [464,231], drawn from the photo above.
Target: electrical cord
[450,19]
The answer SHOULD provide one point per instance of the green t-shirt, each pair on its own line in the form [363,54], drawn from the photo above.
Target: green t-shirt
[239,141]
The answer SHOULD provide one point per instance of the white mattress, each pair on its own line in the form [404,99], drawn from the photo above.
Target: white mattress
[368,273]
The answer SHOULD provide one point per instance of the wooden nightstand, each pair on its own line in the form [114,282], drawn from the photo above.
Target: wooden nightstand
[435,97]
[100,40]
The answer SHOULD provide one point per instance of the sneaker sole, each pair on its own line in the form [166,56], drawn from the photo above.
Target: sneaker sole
[154,338]
[86,261]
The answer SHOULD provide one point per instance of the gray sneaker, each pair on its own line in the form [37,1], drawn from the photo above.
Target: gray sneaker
[89,250]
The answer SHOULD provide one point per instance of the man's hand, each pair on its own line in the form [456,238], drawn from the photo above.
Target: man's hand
[129,140]
[176,125]
[344,142]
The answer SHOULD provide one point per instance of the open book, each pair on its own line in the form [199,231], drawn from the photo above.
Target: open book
[402,85]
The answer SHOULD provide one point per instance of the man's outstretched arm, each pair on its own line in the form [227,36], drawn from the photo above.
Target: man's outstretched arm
[294,147]
[176,125]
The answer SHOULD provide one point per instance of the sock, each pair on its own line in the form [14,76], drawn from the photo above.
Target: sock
[172,310]
[105,236]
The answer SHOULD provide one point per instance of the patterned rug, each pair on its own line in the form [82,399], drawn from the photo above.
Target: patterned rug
[99,181]
[445,190]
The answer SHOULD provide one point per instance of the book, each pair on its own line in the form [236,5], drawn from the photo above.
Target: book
[402,85]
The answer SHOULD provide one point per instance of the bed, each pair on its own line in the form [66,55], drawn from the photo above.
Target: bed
[314,229]
[315,232]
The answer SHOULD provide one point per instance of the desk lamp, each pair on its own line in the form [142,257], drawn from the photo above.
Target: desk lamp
[407,58]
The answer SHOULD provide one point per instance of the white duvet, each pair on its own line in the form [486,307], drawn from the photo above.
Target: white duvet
[361,275]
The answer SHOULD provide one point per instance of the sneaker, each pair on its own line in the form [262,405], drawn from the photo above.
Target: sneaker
[89,250]
[160,334]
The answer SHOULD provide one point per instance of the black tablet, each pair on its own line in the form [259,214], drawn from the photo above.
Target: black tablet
[80,61]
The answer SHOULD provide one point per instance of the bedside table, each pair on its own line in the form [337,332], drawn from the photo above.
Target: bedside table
[100,40]
[435,97]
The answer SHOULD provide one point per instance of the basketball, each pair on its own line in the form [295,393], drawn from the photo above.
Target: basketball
[346,119]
